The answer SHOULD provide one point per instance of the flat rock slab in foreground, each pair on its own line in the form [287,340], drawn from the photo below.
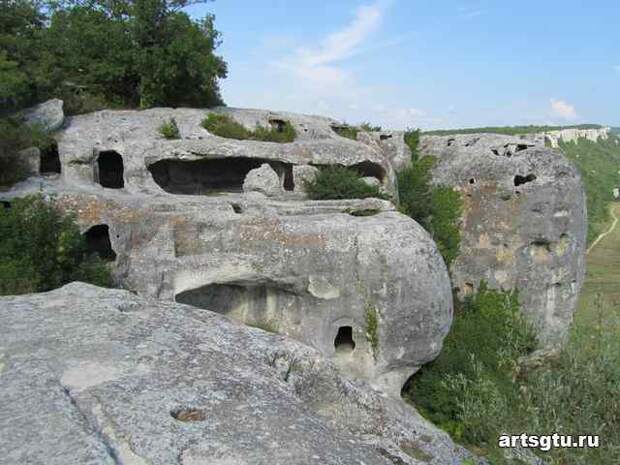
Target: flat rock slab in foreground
[97,376]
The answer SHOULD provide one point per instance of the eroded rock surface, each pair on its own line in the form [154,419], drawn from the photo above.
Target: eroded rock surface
[524,223]
[96,376]
[354,279]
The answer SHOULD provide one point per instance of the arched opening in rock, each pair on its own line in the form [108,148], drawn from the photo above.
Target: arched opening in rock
[50,161]
[344,343]
[364,169]
[98,241]
[277,124]
[520,180]
[385,136]
[251,303]
[110,170]
[213,175]
[472,181]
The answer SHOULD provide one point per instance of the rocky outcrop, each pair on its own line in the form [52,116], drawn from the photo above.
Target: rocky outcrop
[95,376]
[48,116]
[354,279]
[524,222]
[553,138]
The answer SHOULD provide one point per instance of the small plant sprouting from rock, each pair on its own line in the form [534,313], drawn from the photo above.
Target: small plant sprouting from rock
[225,126]
[412,139]
[372,329]
[350,132]
[339,182]
[368,127]
[169,129]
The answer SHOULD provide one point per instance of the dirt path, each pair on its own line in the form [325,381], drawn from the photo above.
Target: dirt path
[609,231]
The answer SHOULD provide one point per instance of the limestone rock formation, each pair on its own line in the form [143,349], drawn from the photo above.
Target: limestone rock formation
[524,223]
[49,115]
[264,180]
[95,376]
[553,138]
[354,279]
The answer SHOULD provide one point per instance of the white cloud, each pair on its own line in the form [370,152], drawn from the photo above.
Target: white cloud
[562,109]
[318,65]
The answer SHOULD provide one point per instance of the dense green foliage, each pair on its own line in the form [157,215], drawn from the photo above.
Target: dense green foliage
[369,127]
[481,387]
[509,130]
[339,182]
[96,53]
[169,129]
[599,163]
[15,137]
[225,126]
[42,249]
[438,209]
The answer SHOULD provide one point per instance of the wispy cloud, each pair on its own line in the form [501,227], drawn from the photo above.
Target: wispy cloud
[320,64]
[617,68]
[562,109]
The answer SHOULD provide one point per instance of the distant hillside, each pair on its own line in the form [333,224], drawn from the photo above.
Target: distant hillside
[599,163]
[615,131]
[509,130]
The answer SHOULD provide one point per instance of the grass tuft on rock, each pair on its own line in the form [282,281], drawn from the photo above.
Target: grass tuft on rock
[339,182]
[169,129]
[225,126]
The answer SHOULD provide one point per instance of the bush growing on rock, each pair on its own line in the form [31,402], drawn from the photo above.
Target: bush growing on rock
[437,209]
[339,182]
[225,126]
[169,129]
[42,249]
[15,137]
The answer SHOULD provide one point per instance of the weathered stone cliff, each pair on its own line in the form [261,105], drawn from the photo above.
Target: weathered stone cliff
[355,279]
[524,222]
[98,376]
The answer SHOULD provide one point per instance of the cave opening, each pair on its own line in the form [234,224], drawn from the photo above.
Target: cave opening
[98,242]
[520,180]
[110,169]
[364,169]
[50,160]
[213,175]
[344,343]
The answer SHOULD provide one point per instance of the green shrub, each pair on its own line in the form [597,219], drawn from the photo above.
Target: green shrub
[225,126]
[369,127]
[339,182]
[350,132]
[412,139]
[468,390]
[438,209]
[42,249]
[169,129]
[15,137]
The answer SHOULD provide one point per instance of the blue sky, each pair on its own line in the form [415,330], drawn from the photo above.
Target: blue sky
[428,64]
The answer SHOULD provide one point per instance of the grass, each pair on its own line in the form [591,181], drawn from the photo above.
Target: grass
[372,329]
[169,129]
[508,130]
[350,132]
[339,182]
[225,126]
[598,163]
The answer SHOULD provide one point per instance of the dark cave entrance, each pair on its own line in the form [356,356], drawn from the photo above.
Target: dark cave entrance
[110,169]
[50,161]
[202,177]
[344,343]
[98,241]
[364,169]
[520,180]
